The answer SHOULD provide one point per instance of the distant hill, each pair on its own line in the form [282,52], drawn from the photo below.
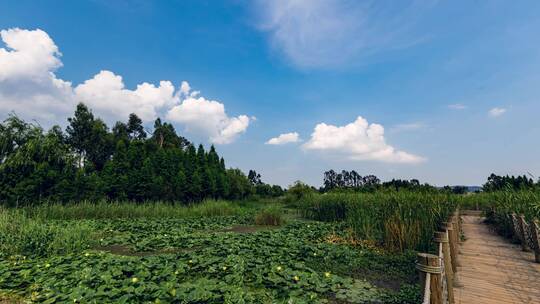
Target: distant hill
[470,189]
[474,188]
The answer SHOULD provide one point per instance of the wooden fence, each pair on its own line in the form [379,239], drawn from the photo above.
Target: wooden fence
[527,233]
[439,273]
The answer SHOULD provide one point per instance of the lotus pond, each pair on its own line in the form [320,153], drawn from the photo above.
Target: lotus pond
[216,259]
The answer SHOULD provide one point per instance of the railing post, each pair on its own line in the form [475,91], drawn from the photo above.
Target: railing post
[523,228]
[430,267]
[516,226]
[453,252]
[458,223]
[457,231]
[442,238]
[535,234]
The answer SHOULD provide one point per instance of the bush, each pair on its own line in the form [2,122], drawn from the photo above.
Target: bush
[270,216]
[20,235]
[298,191]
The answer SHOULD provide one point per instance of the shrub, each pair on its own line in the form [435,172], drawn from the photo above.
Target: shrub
[270,216]
[20,235]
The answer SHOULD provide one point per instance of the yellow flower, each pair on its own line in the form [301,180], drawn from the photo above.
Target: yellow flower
[87,254]
[47,265]
[279,268]
[327,274]
[191,261]
[176,272]
[224,268]
[296,278]
[134,280]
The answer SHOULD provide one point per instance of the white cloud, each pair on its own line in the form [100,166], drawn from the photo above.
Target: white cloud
[207,117]
[28,85]
[457,106]
[284,139]
[30,88]
[323,33]
[358,140]
[106,93]
[28,54]
[496,112]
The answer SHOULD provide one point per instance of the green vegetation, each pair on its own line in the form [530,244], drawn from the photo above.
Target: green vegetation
[90,162]
[499,205]
[115,216]
[270,216]
[198,255]
[397,220]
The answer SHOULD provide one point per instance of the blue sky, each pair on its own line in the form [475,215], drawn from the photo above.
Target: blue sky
[454,85]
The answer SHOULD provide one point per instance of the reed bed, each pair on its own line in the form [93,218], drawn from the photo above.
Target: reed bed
[397,220]
[111,210]
[498,206]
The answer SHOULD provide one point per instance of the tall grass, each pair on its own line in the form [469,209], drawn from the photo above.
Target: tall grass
[111,210]
[498,206]
[21,235]
[58,229]
[397,220]
[270,216]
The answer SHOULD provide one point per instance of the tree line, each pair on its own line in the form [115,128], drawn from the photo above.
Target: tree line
[351,180]
[497,183]
[89,161]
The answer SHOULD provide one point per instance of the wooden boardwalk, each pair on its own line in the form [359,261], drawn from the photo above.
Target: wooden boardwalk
[493,270]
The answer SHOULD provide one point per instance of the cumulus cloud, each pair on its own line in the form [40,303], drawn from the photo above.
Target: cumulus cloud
[282,139]
[496,112]
[27,81]
[205,116]
[106,93]
[358,140]
[323,33]
[30,88]
[27,54]
[457,106]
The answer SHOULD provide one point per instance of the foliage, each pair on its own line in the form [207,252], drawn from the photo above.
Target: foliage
[270,216]
[90,162]
[499,205]
[351,180]
[36,237]
[499,183]
[205,260]
[298,191]
[111,210]
[397,220]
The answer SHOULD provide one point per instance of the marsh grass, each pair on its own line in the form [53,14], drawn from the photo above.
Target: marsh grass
[21,235]
[111,210]
[271,216]
[59,229]
[498,206]
[396,220]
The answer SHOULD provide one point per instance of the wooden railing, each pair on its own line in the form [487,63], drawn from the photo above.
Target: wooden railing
[528,234]
[439,273]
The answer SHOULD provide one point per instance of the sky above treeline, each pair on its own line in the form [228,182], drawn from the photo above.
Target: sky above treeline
[443,91]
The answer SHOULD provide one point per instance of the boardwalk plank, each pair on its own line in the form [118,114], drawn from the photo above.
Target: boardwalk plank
[494,270]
